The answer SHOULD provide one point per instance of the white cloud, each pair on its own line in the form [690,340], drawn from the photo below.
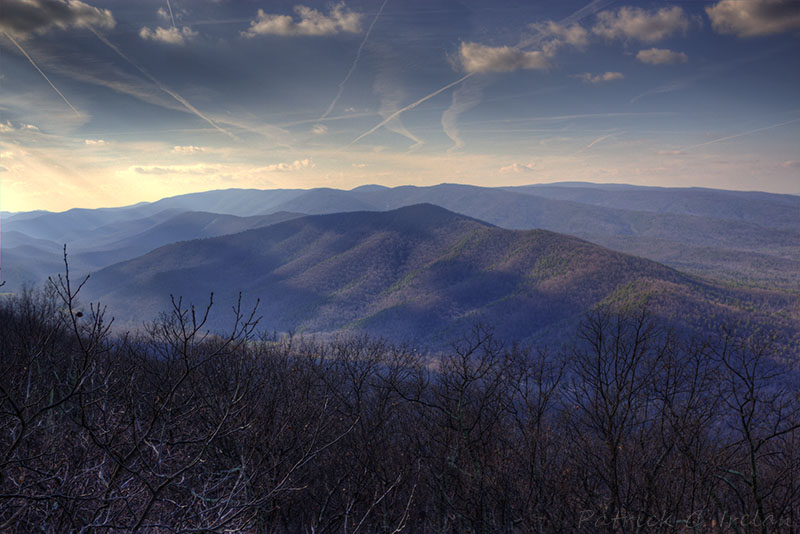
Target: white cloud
[661,56]
[296,165]
[476,58]
[670,152]
[752,18]
[637,23]
[172,35]
[600,78]
[517,168]
[9,127]
[94,142]
[312,22]
[554,35]
[162,14]
[199,169]
[791,164]
[22,17]
[319,129]
[188,149]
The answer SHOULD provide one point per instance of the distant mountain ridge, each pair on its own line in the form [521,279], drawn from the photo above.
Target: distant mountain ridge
[765,209]
[419,273]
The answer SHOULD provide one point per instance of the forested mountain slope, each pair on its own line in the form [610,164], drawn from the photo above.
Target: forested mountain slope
[418,273]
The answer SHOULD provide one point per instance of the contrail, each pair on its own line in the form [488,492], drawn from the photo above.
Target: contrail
[624,114]
[326,119]
[598,140]
[588,9]
[161,86]
[465,98]
[668,88]
[24,53]
[410,106]
[170,13]
[742,134]
[355,63]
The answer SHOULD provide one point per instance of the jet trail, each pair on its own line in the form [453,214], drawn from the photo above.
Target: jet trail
[625,114]
[410,106]
[588,9]
[161,86]
[24,53]
[734,136]
[355,63]
[170,13]
[598,140]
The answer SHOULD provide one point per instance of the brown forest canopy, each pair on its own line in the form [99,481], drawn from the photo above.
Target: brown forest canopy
[631,429]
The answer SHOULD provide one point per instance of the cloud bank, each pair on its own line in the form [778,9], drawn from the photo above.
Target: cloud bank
[476,58]
[312,22]
[637,23]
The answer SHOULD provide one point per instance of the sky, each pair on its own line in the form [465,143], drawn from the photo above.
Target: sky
[109,103]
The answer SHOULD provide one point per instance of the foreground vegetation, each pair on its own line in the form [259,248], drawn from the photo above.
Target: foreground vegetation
[631,429]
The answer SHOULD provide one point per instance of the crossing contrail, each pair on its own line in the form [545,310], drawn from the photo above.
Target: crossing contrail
[410,106]
[24,53]
[588,9]
[355,63]
[161,86]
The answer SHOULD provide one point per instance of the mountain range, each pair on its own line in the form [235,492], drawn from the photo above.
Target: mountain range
[418,273]
[400,261]
[750,238]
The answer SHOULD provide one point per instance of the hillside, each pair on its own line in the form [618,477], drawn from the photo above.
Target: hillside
[96,240]
[182,227]
[417,273]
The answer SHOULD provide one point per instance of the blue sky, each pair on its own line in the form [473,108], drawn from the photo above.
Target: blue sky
[112,103]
